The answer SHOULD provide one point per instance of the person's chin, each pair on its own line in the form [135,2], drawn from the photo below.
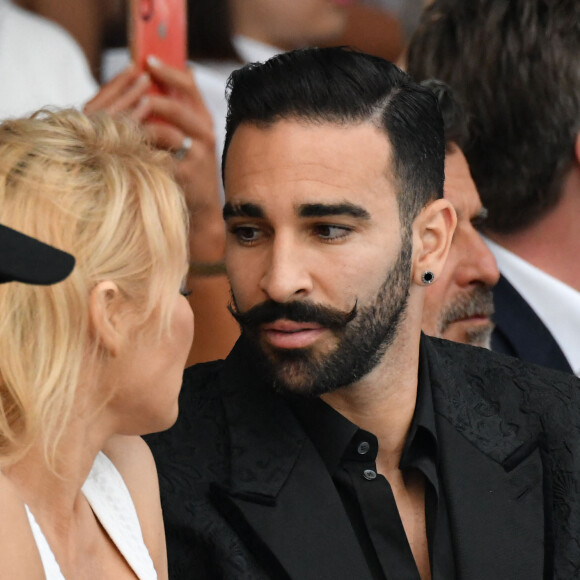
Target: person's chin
[474,331]
[294,379]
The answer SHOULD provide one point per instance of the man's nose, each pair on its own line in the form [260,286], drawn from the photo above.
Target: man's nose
[479,265]
[286,275]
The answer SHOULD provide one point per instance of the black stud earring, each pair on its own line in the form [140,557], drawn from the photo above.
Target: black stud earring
[427,277]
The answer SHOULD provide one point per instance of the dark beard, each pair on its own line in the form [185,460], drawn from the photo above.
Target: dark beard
[363,335]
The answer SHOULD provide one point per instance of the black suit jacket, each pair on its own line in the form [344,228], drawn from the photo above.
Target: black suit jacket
[519,332]
[246,495]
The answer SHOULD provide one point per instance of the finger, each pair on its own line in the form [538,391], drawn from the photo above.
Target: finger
[183,117]
[122,94]
[109,92]
[181,81]
[164,136]
[142,110]
[132,96]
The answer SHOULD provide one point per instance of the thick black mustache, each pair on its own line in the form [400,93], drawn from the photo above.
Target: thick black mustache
[296,311]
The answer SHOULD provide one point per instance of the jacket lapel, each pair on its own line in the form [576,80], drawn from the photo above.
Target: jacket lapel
[520,332]
[493,480]
[281,499]
[283,503]
[496,516]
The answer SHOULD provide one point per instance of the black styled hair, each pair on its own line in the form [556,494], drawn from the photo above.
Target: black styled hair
[343,86]
[514,65]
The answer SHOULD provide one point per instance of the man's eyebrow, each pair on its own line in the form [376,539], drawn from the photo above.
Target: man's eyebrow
[337,209]
[250,210]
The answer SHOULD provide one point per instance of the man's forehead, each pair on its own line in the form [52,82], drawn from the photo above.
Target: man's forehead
[296,157]
[304,128]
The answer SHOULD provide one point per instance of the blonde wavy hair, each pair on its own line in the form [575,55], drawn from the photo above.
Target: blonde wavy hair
[92,186]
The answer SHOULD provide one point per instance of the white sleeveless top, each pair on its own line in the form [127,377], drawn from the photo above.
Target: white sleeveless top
[111,503]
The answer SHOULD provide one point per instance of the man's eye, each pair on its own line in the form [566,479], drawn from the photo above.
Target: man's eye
[246,234]
[331,232]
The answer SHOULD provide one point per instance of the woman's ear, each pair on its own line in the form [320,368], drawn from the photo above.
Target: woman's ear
[432,234]
[108,315]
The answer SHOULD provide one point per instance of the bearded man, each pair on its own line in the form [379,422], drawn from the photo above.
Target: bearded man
[336,441]
[514,65]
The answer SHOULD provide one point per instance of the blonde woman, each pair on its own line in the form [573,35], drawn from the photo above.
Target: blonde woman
[88,364]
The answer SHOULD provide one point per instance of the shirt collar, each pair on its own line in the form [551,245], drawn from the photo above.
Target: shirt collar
[423,422]
[331,432]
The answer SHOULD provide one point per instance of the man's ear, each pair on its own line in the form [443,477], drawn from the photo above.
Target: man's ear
[107,311]
[432,234]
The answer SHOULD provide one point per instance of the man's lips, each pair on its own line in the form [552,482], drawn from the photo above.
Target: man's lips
[474,319]
[289,334]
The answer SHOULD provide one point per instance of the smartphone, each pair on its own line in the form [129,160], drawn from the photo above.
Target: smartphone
[158,28]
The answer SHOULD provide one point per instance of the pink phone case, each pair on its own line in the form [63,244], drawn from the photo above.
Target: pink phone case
[158,28]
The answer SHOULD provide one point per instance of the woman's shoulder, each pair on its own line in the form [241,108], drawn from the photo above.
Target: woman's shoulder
[19,555]
[133,460]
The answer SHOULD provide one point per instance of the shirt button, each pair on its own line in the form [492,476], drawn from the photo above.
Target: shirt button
[369,474]
[363,448]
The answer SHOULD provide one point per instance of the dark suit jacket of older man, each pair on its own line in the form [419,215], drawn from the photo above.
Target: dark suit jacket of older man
[520,332]
[246,495]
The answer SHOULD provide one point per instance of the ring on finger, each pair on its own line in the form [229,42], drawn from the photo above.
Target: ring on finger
[184,148]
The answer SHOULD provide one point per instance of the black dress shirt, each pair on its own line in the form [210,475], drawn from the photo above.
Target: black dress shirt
[349,454]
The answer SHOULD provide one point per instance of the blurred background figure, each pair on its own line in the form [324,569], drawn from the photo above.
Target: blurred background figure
[380,27]
[459,303]
[92,362]
[89,22]
[514,65]
[289,25]
[40,64]
[407,12]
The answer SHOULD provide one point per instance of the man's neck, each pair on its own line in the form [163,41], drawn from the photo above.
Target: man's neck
[383,402]
[552,243]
